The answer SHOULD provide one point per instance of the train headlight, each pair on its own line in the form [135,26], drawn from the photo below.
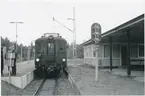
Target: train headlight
[37,59]
[63,59]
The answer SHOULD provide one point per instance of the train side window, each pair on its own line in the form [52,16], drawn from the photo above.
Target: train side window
[61,48]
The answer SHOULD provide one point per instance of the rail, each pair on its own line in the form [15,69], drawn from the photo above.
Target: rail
[72,81]
[36,92]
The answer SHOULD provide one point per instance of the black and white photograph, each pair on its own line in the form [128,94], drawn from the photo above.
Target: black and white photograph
[72,47]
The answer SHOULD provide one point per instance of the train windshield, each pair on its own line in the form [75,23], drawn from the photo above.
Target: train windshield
[41,49]
[50,48]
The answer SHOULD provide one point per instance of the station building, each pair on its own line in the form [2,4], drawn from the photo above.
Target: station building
[119,47]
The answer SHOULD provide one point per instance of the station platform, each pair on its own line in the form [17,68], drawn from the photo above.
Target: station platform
[25,74]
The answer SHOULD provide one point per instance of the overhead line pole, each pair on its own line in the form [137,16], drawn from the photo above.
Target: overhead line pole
[74,33]
[74,36]
[75,54]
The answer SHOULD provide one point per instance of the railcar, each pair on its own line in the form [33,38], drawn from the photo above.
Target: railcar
[50,53]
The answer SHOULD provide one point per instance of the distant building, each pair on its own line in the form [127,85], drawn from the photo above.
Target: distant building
[120,46]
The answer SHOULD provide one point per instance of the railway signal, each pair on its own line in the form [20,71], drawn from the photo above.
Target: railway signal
[96,37]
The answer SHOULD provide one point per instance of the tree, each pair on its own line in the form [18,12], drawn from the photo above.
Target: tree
[31,50]
[7,43]
[70,51]
[80,51]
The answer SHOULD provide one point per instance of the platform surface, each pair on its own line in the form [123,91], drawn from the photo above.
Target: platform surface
[24,74]
[22,68]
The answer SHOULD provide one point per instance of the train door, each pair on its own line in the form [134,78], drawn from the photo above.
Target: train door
[51,51]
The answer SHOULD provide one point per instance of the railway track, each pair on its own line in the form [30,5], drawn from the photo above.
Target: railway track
[61,85]
[46,88]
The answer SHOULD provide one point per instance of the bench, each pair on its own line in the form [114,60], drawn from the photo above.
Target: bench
[139,64]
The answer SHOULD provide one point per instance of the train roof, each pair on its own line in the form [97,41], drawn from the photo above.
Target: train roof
[46,38]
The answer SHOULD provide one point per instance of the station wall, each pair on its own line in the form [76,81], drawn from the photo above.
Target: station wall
[104,53]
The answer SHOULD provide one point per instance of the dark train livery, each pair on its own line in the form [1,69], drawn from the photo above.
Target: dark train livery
[50,53]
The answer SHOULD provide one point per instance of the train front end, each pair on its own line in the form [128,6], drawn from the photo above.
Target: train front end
[45,54]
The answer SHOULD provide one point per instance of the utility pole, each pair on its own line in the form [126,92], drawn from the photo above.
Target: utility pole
[75,51]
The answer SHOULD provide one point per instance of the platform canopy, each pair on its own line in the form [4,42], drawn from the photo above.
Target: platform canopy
[119,33]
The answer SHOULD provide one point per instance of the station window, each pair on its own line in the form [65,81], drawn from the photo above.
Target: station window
[94,53]
[133,50]
[116,50]
[106,51]
[87,54]
[141,50]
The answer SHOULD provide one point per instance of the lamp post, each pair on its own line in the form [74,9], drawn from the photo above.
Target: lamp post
[16,31]
[15,59]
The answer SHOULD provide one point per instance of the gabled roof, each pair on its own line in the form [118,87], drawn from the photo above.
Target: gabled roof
[116,29]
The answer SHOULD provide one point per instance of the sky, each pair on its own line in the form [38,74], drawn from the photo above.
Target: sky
[37,17]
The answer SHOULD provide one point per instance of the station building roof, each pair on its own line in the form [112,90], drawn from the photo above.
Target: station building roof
[136,25]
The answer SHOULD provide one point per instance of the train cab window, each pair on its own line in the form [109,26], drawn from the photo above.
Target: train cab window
[41,49]
[50,48]
[38,48]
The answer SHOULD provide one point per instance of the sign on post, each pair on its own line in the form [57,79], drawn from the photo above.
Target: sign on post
[96,37]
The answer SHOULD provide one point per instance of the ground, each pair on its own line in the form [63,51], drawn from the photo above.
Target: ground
[108,83]
[7,89]
[84,76]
